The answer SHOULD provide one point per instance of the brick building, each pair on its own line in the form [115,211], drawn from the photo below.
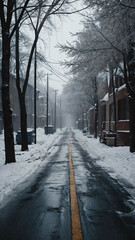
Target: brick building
[108,108]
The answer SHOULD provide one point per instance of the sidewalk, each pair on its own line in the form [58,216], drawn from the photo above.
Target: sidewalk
[118,161]
[13,174]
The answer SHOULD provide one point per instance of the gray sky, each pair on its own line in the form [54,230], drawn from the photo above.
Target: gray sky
[62,34]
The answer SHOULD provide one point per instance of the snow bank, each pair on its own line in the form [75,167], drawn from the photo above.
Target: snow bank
[118,159]
[26,162]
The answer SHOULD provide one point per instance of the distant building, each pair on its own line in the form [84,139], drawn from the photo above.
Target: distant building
[29,101]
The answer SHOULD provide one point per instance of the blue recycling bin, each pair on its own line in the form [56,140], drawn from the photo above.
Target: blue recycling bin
[29,137]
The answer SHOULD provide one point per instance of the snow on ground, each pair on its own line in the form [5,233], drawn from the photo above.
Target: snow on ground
[119,161]
[26,162]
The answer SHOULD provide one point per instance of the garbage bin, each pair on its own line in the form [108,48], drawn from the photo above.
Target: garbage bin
[50,129]
[29,137]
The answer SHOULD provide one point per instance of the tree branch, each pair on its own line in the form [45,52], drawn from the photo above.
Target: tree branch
[125,5]
[19,18]
[97,29]
[69,13]
[2,17]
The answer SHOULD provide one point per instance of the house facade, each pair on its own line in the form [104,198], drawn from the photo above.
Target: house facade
[113,110]
[115,113]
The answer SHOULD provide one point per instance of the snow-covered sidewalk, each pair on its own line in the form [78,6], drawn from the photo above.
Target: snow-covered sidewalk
[119,161]
[11,175]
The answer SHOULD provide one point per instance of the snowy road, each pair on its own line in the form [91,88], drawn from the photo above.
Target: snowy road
[42,210]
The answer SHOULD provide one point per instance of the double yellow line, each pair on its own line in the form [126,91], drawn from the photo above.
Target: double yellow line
[75,217]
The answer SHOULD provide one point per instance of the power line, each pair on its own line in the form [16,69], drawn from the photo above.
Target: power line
[45,90]
[55,73]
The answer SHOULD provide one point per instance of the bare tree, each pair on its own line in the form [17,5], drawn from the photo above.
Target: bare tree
[6,17]
[37,21]
[8,27]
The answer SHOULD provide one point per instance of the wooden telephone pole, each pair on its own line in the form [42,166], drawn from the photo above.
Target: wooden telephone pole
[47,100]
[55,110]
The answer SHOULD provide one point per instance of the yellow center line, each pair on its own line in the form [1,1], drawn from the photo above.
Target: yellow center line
[75,217]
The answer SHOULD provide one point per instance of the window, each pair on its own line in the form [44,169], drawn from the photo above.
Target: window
[123,109]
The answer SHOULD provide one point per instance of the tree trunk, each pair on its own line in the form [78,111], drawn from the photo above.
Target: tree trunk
[23,114]
[96,109]
[131,81]
[96,120]
[7,111]
[23,119]
[132,124]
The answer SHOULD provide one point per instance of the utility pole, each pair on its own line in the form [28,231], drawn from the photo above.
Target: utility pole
[82,116]
[55,111]
[47,100]
[60,115]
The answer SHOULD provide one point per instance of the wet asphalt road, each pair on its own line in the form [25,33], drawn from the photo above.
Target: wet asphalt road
[42,210]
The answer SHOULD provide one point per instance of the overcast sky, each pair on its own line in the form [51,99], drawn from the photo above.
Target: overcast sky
[62,34]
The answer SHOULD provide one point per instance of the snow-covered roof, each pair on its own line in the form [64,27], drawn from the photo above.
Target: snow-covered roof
[41,96]
[105,98]
[42,116]
[122,87]
[91,108]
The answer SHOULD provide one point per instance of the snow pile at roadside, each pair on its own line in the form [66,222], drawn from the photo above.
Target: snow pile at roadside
[119,159]
[26,162]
